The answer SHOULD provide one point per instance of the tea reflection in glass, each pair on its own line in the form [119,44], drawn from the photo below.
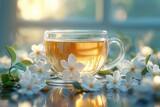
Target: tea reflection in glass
[91,53]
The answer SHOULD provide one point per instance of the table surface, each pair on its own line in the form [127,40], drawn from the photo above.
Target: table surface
[58,96]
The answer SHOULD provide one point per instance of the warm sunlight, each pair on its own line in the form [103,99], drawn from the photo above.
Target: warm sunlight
[38,9]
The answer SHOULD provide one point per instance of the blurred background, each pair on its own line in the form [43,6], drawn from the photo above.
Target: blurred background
[136,22]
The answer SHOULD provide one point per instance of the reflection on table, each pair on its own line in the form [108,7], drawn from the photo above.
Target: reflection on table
[73,98]
[69,97]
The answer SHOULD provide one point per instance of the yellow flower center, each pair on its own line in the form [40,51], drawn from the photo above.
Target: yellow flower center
[132,68]
[128,85]
[45,89]
[40,70]
[72,68]
[38,52]
[91,85]
[114,82]
[21,58]
[155,74]
[35,82]
[28,87]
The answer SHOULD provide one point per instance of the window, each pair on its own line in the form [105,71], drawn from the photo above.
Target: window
[30,18]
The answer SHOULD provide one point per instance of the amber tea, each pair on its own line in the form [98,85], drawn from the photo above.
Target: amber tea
[91,53]
[90,47]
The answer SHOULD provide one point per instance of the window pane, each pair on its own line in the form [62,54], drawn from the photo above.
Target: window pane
[35,10]
[135,9]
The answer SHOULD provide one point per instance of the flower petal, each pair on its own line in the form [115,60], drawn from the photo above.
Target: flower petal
[155,68]
[29,93]
[85,86]
[97,86]
[40,47]
[109,78]
[65,64]
[32,55]
[85,79]
[134,82]
[71,59]
[34,48]
[123,88]
[129,76]
[138,64]
[75,75]
[116,75]
[109,86]
[33,68]
[46,67]
[39,64]
[79,66]
[65,74]
[137,76]
[123,82]
[125,71]
[125,63]
[41,56]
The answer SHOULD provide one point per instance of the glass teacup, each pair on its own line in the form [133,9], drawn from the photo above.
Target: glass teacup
[89,47]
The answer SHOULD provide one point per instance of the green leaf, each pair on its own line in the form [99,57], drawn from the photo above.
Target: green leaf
[146,61]
[9,84]
[6,81]
[108,72]
[12,54]
[27,62]
[20,66]
[144,71]
[147,58]
[132,55]
[5,78]
[15,74]
[77,85]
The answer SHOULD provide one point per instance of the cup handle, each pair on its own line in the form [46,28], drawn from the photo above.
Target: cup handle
[120,56]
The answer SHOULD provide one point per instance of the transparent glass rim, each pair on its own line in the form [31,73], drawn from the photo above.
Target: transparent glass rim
[76,31]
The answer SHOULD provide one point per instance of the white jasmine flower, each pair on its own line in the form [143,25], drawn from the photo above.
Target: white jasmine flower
[91,83]
[145,50]
[38,52]
[153,71]
[71,68]
[135,67]
[113,81]
[128,83]
[22,54]
[30,84]
[42,69]
[5,61]
[122,65]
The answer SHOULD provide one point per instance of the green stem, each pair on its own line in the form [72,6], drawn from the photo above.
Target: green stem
[10,73]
